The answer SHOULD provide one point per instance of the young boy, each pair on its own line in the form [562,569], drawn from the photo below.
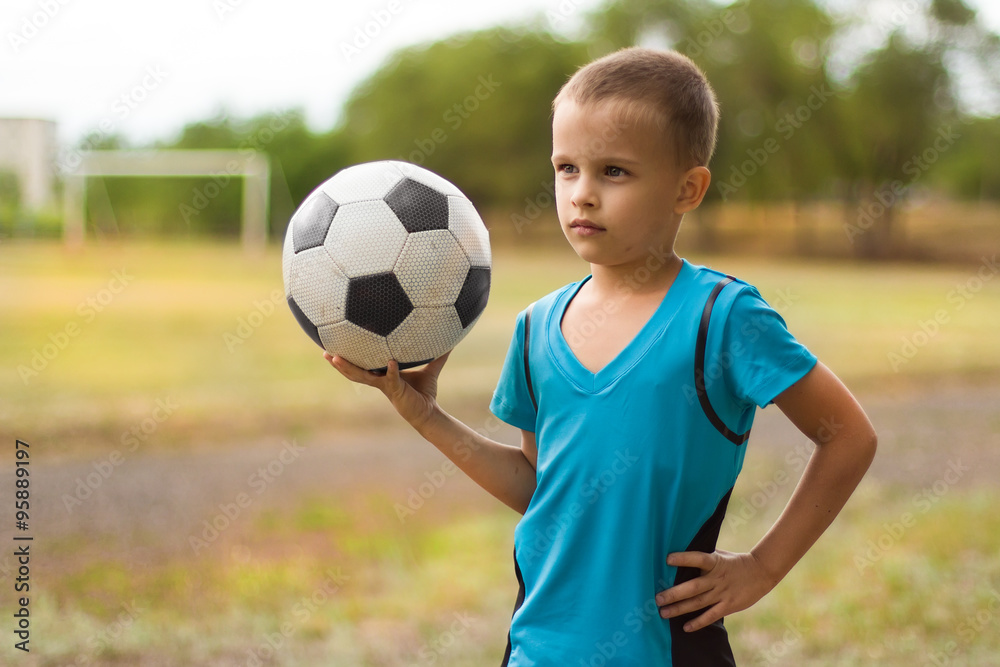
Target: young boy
[635,397]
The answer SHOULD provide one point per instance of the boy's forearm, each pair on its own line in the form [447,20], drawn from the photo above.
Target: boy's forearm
[829,479]
[500,469]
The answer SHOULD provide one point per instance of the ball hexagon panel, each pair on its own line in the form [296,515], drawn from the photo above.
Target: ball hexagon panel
[425,335]
[312,220]
[472,298]
[363,182]
[287,253]
[465,223]
[319,286]
[431,268]
[377,303]
[365,238]
[428,178]
[418,207]
[359,346]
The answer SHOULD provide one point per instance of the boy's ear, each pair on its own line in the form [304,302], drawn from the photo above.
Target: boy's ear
[694,185]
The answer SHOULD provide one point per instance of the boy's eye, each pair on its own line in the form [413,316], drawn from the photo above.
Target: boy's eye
[615,171]
[566,168]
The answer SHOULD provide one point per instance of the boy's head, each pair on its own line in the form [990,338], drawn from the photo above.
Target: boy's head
[660,89]
[632,134]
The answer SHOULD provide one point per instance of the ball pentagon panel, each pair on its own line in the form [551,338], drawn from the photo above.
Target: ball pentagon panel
[312,221]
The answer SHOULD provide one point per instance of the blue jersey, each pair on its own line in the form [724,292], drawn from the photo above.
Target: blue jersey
[635,462]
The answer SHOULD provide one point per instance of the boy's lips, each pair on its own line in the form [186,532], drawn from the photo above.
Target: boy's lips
[585,227]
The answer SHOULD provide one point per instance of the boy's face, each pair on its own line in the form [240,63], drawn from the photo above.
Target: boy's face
[617,185]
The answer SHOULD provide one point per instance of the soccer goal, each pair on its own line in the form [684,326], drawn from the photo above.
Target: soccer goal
[254,168]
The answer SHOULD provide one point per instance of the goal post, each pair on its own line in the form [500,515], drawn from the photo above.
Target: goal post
[253,167]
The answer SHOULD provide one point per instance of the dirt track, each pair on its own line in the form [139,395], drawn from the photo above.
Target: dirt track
[166,497]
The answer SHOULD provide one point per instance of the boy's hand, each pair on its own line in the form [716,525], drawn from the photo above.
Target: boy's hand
[729,583]
[413,393]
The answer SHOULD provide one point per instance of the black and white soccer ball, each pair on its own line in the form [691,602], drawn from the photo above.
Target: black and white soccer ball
[386,260]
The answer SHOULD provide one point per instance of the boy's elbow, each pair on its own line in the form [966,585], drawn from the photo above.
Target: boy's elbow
[867,445]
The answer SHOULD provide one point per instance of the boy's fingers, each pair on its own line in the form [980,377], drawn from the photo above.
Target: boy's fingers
[710,616]
[435,366]
[699,559]
[684,591]
[350,371]
[687,606]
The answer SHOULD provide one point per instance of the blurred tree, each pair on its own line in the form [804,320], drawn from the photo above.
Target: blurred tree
[904,114]
[475,108]
[766,61]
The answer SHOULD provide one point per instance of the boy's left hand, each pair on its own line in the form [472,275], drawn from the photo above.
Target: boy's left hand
[729,583]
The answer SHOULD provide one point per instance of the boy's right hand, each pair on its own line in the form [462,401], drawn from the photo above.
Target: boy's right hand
[413,393]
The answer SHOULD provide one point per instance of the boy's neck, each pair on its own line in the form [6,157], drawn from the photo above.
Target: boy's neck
[650,276]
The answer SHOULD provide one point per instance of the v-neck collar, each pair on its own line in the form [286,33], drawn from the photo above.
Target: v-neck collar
[628,356]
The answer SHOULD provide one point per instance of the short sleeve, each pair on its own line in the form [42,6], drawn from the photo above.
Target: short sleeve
[511,402]
[764,358]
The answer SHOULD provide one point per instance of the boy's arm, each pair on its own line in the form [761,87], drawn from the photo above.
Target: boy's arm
[824,410]
[508,473]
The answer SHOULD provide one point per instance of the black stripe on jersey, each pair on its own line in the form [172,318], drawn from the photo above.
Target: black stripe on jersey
[699,367]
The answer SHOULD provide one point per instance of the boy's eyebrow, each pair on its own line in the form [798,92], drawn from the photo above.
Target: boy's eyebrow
[613,159]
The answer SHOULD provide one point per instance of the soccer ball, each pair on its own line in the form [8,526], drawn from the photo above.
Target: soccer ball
[386,260]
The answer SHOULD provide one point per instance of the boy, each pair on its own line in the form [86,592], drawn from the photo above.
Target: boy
[635,397]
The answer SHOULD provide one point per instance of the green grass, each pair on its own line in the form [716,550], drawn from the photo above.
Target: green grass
[393,591]
[163,337]
[173,332]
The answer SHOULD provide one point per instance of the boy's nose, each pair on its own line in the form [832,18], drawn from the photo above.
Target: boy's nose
[584,194]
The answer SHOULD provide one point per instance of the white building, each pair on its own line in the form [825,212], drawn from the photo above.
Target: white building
[28,148]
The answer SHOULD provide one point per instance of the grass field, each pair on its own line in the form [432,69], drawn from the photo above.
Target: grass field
[329,575]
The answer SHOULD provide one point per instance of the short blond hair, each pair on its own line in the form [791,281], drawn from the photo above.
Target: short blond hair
[649,85]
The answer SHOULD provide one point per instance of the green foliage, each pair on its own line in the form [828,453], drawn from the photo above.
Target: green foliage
[797,122]
[474,108]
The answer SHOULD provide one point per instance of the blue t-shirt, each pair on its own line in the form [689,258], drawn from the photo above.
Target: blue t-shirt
[631,468]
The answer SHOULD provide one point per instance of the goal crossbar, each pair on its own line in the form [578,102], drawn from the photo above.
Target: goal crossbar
[252,166]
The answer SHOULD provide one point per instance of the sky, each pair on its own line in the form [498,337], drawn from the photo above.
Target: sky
[145,69]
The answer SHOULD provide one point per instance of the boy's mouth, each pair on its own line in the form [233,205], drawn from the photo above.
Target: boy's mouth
[585,227]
